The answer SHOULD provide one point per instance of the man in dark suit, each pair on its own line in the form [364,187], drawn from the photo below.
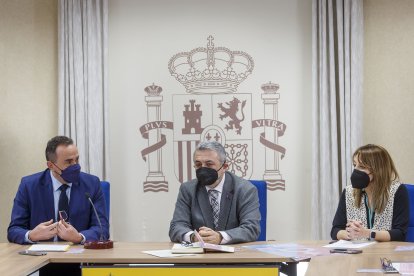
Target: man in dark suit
[222,207]
[52,205]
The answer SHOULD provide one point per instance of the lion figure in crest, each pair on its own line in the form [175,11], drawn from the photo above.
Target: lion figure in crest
[231,111]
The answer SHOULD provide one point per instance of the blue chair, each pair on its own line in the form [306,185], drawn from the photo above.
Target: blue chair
[105,187]
[262,191]
[410,230]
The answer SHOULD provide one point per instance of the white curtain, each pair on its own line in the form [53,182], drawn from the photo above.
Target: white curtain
[337,69]
[83,103]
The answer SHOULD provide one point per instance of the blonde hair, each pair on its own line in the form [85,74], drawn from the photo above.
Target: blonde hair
[378,161]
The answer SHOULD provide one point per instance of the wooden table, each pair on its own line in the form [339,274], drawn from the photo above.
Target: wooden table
[11,263]
[348,264]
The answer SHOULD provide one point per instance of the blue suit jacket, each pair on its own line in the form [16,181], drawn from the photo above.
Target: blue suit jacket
[34,204]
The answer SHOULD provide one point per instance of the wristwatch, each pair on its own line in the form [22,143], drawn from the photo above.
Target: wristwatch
[372,235]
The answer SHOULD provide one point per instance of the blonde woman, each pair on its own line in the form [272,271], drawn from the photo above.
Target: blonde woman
[375,206]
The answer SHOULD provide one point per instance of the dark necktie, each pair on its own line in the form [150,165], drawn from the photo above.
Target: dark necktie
[63,204]
[213,195]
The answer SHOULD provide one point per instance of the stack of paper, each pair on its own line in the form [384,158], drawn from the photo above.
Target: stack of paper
[404,268]
[186,248]
[342,244]
[49,247]
[213,247]
[200,247]
[217,247]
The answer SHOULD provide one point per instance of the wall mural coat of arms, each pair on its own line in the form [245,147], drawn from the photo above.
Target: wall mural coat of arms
[212,108]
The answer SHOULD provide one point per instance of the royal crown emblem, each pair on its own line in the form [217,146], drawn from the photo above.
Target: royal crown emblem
[211,70]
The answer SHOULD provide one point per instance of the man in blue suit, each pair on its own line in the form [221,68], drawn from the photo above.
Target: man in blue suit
[52,205]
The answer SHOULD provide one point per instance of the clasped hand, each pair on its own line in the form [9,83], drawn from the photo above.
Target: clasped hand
[49,229]
[355,230]
[209,235]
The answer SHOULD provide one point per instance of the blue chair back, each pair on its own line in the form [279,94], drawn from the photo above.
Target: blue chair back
[262,191]
[410,230]
[105,187]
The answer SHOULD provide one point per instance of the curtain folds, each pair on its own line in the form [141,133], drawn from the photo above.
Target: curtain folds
[337,73]
[83,103]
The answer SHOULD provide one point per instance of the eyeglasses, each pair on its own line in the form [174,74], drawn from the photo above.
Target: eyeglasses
[63,215]
[387,265]
[186,244]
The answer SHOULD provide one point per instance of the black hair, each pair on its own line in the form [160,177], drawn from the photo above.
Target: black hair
[53,144]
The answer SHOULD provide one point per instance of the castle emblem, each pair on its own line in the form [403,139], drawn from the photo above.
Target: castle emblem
[192,118]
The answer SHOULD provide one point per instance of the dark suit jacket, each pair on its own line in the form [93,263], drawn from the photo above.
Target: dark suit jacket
[34,204]
[239,210]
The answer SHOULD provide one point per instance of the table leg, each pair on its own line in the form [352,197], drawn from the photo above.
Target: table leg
[289,269]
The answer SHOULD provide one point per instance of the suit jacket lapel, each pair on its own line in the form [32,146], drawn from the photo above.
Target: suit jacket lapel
[205,206]
[225,202]
[47,196]
[75,193]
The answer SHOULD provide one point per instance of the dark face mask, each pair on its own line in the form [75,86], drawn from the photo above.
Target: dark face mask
[71,173]
[359,179]
[207,176]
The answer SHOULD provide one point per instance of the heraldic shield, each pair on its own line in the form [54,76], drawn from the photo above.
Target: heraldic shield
[225,118]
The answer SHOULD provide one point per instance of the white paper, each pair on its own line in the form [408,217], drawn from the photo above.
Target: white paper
[75,250]
[350,244]
[291,250]
[194,248]
[404,268]
[166,253]
[49,247]
[404,248]
[370,270]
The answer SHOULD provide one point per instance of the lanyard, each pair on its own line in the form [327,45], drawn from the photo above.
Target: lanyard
[370,212]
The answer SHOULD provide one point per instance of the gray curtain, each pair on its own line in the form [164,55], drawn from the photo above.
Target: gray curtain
[337,73]
[83,103]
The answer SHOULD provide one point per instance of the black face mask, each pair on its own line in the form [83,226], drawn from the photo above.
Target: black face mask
[207,176]
[359,179]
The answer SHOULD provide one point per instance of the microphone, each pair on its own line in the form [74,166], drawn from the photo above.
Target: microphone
[101,244]
[96,214]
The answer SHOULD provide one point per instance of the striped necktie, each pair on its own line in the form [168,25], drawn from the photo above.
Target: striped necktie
[215,206]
